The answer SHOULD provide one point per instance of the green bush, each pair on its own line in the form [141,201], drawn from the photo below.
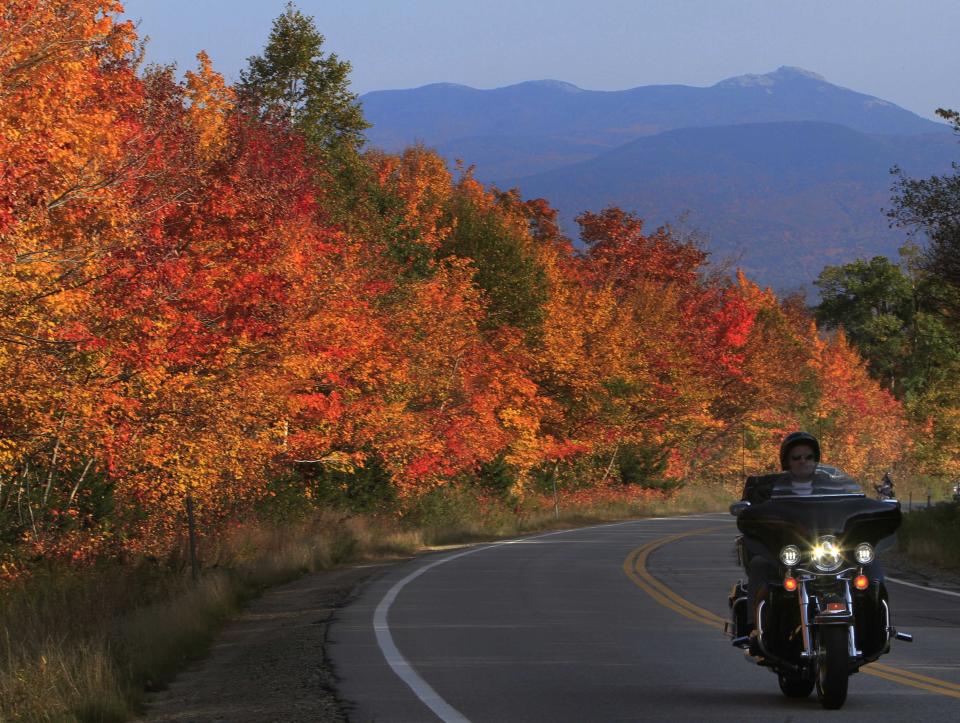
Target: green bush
[644,465]
[497,477]
[300,494]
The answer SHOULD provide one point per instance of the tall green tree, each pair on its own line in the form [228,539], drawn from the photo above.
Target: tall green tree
[295,81]
[893,319]
[872,301]
[506,266]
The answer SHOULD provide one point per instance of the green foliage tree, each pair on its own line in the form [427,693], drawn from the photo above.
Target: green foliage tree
[507,268]
[295,81]
[497,476]
[931,206]
[892,317]
[873,302]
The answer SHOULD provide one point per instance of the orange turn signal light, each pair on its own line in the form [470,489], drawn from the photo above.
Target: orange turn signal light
[861,582]
[789,584]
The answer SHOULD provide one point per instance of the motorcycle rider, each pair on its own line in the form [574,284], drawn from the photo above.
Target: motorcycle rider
[799,458]
[885,488]
[800,462]
[815,608]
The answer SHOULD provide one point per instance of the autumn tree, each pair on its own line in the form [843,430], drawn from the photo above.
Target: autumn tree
[862,428]
[407,212]
[616,345]
[69,142]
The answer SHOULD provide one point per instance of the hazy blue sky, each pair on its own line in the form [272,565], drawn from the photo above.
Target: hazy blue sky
[901,51]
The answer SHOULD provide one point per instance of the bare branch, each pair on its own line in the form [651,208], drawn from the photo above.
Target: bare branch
[73,492]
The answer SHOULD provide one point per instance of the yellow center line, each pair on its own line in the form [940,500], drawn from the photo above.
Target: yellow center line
[942,687]
[635,567]
[878,668]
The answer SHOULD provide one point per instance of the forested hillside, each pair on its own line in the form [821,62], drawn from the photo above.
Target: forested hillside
[780,199]
[212,294]
[238,344]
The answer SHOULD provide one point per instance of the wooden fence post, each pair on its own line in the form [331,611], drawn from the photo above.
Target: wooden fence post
[192,529]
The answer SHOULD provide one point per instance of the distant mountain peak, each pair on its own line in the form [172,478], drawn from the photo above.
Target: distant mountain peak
[441,86]
[782,74]
[548,84]
[791,71]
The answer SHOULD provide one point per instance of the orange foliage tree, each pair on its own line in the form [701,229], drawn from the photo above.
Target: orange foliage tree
[68,93]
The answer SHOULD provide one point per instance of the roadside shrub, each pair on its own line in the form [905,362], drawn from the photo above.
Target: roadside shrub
[932,535]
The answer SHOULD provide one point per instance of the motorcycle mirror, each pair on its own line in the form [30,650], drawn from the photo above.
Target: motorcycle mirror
[737,507]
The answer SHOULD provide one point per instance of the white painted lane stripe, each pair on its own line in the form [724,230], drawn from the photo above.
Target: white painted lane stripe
[402,667]
[923,587]
[398,663]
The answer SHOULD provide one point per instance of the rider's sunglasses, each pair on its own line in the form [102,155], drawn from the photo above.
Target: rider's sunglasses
[798,457]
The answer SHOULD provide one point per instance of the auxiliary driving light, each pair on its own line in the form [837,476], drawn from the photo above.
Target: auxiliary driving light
[789,584]
[864,553]
[861,582]
[790,555]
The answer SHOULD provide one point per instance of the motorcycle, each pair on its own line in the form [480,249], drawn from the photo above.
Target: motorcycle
[828,614]
[885,489]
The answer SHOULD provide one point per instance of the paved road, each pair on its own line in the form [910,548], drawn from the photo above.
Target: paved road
[610,623]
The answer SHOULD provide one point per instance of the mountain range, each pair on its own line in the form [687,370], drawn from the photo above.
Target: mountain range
[781,173]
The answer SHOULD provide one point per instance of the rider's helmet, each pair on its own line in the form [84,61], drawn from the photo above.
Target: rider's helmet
[792,440]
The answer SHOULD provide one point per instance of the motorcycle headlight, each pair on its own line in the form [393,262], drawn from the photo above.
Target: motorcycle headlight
[790,555]
[826,554]
[864,553]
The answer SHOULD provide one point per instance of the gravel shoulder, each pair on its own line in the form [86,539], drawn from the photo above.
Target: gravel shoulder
[268,664]
[897,565]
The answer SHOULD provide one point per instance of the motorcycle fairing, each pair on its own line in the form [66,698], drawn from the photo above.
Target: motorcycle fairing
[800,520]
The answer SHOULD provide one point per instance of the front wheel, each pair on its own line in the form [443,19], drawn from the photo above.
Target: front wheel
[833,666]
[795,687]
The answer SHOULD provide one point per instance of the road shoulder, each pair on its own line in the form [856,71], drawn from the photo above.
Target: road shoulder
[269,662]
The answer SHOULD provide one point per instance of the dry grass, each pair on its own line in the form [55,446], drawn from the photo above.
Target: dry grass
[85,645]
[932,535]
[59,680]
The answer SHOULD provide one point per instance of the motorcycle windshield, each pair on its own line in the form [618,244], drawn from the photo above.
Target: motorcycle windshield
[826,482]
[833,505]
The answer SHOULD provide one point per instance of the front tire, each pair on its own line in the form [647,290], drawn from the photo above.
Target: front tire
[795,687]
[833,667]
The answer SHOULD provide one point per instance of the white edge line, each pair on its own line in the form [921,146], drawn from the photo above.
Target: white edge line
[923,587]
[402,667]
[398,663]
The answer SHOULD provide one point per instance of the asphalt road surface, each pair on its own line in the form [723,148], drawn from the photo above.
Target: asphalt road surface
[617,622]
